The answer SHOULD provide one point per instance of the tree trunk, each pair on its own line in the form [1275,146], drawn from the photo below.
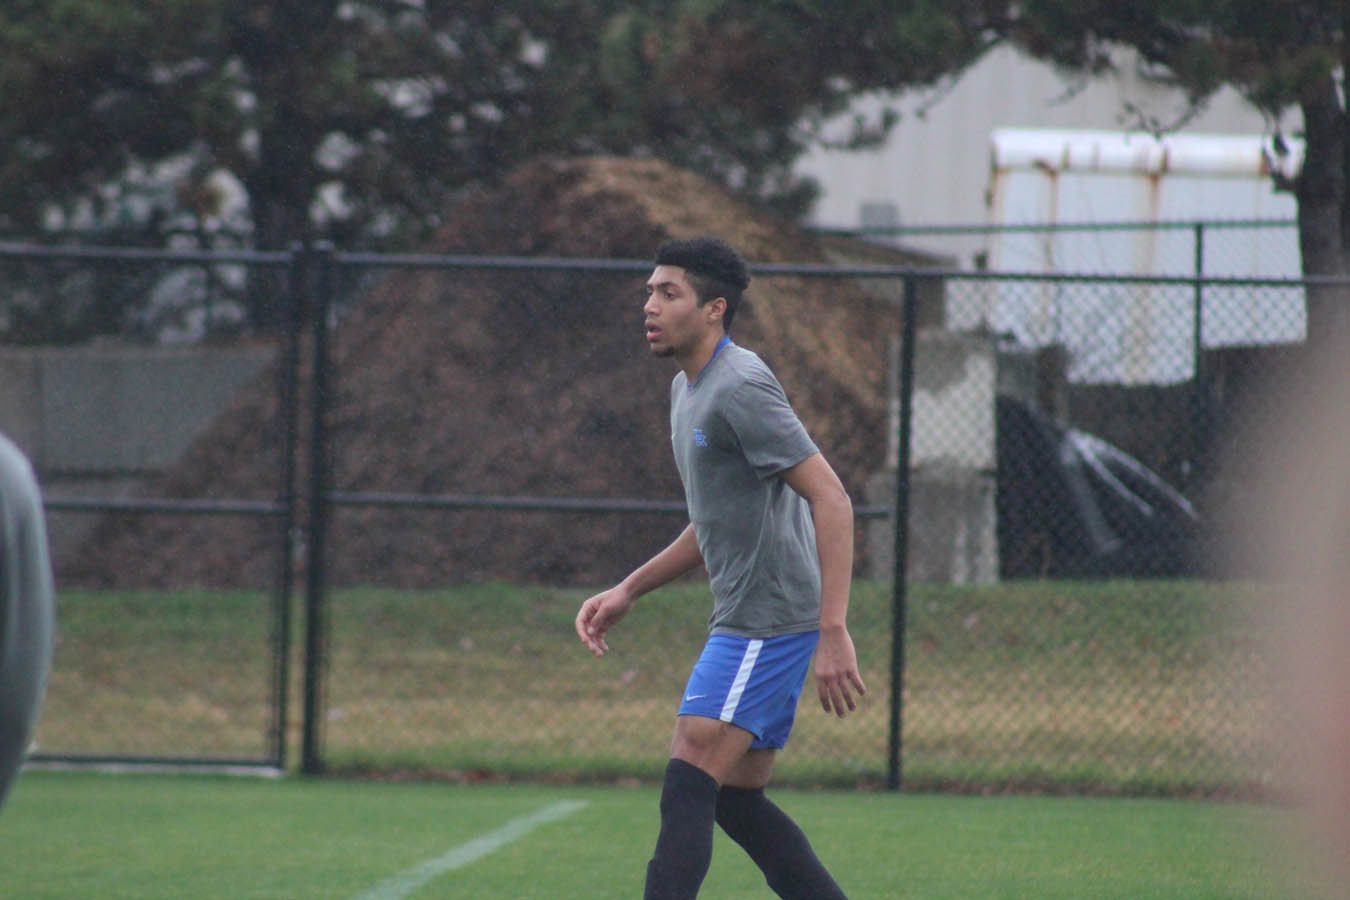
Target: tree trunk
[267,296]
[274,44]
[1323,217]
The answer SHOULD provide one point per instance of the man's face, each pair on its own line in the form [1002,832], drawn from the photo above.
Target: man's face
[676,324]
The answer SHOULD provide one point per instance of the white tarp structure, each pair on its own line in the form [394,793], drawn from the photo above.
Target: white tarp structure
[1138,333]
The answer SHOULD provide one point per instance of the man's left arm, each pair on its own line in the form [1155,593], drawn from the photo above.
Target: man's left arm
[837,673]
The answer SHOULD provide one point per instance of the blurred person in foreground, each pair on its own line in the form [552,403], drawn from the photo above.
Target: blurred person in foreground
[772,524]
[26,609]
[1294,526]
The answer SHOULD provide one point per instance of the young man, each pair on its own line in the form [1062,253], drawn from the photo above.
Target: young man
[773,525]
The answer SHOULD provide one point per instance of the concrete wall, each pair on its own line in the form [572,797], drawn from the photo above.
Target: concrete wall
[97,420]
[104,410]
[953,460]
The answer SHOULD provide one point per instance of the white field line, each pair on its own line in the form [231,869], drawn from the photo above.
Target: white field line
[404,883]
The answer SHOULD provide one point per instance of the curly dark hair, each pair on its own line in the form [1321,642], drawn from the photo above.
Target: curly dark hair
[714,268]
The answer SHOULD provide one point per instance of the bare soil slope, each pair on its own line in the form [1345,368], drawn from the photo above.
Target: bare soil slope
[518,383]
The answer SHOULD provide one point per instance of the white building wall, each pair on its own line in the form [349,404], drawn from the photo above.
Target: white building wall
[935,168]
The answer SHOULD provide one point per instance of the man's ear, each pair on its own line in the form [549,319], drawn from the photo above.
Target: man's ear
[715,309]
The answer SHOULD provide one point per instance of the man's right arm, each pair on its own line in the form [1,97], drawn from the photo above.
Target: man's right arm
[603,610]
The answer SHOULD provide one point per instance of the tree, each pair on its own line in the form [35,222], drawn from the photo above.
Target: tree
[1279,55]
[352,121]
[739,89]
[359,120]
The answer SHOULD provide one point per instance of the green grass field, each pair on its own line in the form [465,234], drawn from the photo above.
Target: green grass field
[1141,687]
[86,835]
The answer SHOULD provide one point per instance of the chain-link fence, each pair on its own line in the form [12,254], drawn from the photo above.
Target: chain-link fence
[1093,643]
[535,448]
[1058,628]
[490,444]
[161,654]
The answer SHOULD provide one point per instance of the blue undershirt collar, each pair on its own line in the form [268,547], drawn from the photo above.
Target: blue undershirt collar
[725,341]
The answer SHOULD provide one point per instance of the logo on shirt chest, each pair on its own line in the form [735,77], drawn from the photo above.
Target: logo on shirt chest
[700,439]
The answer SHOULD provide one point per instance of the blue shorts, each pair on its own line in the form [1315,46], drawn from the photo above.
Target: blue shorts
[753,683]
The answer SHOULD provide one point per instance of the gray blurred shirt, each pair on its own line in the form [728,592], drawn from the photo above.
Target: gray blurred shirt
[26,609]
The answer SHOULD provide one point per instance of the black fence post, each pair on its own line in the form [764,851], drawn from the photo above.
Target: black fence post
[1199,387]
[321,271]
[288,389]
[909,311]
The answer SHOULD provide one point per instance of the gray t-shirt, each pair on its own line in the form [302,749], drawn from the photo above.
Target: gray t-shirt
[733,432]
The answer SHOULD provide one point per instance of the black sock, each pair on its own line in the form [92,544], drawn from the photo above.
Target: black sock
[684,847]
[776,844]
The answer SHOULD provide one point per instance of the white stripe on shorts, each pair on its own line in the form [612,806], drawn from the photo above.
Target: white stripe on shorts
[742,676]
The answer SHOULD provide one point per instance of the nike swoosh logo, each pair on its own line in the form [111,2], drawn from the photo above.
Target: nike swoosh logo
[691,697]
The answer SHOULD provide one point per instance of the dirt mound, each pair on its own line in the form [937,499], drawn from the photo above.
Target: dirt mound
[513,383]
